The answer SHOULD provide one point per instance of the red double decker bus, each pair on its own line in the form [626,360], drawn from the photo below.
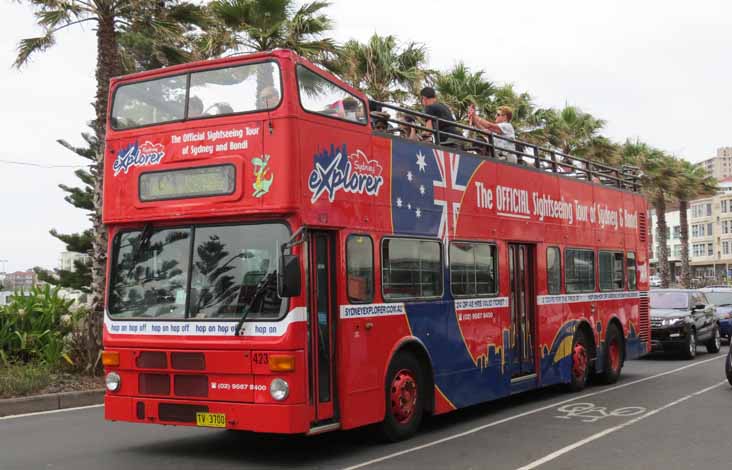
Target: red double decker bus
[282,261]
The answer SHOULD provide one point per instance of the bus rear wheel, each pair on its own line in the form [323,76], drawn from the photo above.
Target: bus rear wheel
[613,356]
[580,361]
[405,397]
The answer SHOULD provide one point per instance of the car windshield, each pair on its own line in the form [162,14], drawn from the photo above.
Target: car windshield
[719,298]
[677,300]
[197,272]
[229,90]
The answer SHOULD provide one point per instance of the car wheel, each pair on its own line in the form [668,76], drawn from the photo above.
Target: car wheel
[690,352]
[715,344]
[580,362]
[613,355]
[728,367]
[405,397]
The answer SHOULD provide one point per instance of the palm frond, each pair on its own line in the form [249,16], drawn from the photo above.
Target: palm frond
[30,46]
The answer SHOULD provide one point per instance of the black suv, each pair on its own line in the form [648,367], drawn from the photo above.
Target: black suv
[681,319]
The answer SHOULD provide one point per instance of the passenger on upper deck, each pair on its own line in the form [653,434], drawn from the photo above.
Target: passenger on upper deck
[501,127]
[440,110]
[195,107]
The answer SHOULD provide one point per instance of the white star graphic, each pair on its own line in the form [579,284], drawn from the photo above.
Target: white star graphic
[421,189]
[421,163]
[419,213]
[409,206]
[409,176]
[399,202]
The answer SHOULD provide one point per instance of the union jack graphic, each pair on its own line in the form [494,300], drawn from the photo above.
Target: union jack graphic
[427,189]
[448,193]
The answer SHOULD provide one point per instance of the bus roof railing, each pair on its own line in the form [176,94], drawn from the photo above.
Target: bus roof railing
[487,145]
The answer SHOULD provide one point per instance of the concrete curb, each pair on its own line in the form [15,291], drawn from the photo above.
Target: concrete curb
[51,401]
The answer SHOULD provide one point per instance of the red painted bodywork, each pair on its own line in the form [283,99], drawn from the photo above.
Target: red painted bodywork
[364,346]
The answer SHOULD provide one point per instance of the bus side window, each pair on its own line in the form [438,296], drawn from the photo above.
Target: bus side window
[553,270]
[630,266]
[360,268]
[579,270]
[611,270]
[411,268]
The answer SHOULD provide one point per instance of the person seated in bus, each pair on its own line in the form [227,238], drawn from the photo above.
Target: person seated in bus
[268,98]
[439,110]
[408,131]
[222,108]
[195,107]
[502,127]
[350,109]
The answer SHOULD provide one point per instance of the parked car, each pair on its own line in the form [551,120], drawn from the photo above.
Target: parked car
[681,319]
[654,281]
[721,297]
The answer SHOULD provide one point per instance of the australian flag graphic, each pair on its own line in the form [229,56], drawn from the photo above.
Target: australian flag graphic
[428,186]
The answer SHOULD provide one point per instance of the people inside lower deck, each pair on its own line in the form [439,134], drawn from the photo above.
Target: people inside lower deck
[502,128]
[439,110]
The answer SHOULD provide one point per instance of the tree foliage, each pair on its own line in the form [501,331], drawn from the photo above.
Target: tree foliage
[383,68]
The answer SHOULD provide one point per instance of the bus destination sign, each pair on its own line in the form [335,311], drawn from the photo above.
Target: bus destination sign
[185,183]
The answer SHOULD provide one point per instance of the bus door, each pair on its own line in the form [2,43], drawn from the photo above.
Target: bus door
[522,307]
[322,316]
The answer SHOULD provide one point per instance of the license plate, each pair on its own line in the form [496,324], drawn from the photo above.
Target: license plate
[211,420]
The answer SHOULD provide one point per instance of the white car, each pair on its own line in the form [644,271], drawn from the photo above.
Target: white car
[654,281]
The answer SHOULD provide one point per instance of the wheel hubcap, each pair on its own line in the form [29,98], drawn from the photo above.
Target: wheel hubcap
[579,362]
[403,395]
[717,339]
[614,353]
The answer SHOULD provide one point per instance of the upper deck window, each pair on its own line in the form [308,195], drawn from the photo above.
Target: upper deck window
[215,92]
[320,96]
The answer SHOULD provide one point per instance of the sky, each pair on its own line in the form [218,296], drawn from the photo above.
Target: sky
[659,71]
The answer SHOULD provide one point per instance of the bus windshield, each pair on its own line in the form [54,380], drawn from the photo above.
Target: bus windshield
[202,272]
[195,95]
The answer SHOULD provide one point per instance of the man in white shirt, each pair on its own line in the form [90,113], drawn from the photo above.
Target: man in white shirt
[502,127]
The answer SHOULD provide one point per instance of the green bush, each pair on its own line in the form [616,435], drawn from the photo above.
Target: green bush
[34,328]
[23,379]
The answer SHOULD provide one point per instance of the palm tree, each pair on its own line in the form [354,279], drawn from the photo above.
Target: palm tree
[459,88]
[692,182]
[658,179]
[112,18]
[261,25]
[384,69]
[569,130]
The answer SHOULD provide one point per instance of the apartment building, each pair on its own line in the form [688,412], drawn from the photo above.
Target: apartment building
[719,166]
[710,236]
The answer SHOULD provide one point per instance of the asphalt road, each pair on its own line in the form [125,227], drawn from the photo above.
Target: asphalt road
[664,413]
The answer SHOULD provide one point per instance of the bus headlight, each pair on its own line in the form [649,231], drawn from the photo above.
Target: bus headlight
[279,389]
[113,381]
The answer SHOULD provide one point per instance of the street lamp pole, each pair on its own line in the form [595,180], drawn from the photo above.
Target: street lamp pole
[3,261]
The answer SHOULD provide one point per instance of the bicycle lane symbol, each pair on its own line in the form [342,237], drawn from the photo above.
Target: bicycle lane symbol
[589,413]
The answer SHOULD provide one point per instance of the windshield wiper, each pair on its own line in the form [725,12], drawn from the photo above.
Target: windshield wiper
[145,237]
[261,288]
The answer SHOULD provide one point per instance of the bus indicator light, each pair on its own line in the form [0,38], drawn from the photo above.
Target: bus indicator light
[281,363]
[110,358]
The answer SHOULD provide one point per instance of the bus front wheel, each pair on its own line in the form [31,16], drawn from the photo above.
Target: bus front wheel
[405,397]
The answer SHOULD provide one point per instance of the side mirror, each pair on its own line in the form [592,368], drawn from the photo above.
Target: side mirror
[288,279]
[699,307]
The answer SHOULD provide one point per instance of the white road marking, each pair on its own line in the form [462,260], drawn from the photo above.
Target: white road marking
[525,413]
[594,437]
[50,412]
